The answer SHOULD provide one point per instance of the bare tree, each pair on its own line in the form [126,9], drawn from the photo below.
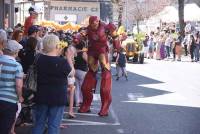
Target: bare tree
[120,5]
[140,10]
[181,16]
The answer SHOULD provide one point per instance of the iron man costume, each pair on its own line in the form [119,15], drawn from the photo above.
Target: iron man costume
[98,54]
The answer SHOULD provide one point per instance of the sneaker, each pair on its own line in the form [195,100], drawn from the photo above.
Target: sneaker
[117,79]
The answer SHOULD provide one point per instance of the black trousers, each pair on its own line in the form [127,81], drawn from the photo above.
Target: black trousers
[186,51]
[192,48]
[7,116]
[174,52]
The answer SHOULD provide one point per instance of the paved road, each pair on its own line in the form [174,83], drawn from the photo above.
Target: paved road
[161,97]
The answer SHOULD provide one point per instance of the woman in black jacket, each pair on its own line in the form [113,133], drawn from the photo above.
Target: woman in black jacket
[27,55]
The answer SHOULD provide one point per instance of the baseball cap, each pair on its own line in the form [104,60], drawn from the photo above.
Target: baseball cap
[10,30]
[33,29]
[13,46]
[33,10]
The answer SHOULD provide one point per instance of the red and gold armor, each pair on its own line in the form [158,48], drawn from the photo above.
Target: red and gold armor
[98,33]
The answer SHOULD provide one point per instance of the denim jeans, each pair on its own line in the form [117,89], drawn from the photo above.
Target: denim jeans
[168,50]
[79,75]
[196,51]
[50,115]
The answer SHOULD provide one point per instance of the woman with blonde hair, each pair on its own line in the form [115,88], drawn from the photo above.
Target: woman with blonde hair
[51,94]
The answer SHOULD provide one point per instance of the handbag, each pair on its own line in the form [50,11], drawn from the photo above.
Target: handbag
[30,82]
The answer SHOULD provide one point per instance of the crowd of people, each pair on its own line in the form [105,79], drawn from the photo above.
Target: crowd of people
[168,44]
[58,68]
[66,74]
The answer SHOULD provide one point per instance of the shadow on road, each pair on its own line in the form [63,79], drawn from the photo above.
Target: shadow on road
[144,118]
[137,118]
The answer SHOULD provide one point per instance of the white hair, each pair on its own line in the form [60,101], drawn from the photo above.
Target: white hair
[3,35]
[50,42]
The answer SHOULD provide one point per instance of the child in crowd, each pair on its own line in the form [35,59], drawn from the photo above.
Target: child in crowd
[121,64]
[69,54]
[151,48]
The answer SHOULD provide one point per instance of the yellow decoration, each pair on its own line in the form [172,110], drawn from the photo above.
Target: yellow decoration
[56,26]
[121,30]
[63,44]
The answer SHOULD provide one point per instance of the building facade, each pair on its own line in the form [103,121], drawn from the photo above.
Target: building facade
[6,13]
[63,11]
[69,11]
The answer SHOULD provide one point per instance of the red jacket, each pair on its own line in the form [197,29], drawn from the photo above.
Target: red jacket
[28,23]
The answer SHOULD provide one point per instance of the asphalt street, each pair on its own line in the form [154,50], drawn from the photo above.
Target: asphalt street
[160,97]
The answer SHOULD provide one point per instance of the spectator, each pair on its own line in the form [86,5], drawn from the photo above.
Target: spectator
[27,55]
[158,46]
[178,47]
[50,97]
[168,42]
[18,27]
[10,33]
[32,32]
[40,35]
[11,81]
[192,47]
[3,39]
[151,48]
[186,41]
[30,20]
[71,82]
[17,35]
[70,54]
[121,63]
[81,68]
[197,46]
[162,46]
[145,44]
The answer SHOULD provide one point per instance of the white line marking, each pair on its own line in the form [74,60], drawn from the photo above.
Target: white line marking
[89,124]
[96,97]
[131,97]
[92,123]
[134,96]
[87,114]
[121,131]
[85,122]
[113,114]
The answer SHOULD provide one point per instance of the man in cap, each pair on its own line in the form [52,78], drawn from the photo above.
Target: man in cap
[11,81]
[98,34]
[30,20]
[10,33]
[32,32]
